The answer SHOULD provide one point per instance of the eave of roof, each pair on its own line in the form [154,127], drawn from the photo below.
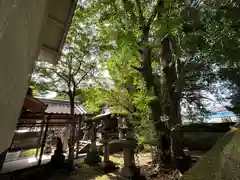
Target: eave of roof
[34,104]
[62,107]
[58,19]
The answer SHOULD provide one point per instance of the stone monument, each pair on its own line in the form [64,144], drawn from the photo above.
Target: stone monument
[57,159]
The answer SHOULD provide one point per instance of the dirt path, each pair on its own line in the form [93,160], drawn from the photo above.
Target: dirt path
[143,160]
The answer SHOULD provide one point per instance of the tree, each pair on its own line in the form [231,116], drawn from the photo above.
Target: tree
[222,32]
[128,95]
[76,68]
[161,41]
[132,34]
[160,55]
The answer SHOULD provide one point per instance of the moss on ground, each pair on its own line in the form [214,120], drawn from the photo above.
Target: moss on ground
[87,172]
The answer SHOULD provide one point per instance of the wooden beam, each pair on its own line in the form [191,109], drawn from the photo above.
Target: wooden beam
[78,135]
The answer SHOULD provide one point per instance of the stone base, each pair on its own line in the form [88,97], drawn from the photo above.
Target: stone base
[184,163]
[92,158]
[127,172]
[108,166]
[133,173]
[58,161]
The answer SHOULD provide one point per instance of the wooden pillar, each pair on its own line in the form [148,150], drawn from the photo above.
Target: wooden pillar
[42,127]
[79,119]
[43,143]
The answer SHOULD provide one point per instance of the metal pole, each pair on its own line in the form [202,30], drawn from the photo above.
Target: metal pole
[43,143]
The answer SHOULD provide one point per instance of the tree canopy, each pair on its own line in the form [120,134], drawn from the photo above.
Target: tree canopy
[164,59]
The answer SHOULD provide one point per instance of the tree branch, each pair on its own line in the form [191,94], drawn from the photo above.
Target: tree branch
[78,69]
[140,13]
[62,77]
[86,73]
[138,69]
[155,11]
[74,85]
[80,60]
[180,77]
[121,104]
[69,63]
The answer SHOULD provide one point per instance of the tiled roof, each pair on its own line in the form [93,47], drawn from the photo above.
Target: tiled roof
[62,106]
[33,104]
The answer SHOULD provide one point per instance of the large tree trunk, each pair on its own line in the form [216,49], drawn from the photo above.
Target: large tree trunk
[170,75]
[154,104]
[175,111]
[160,128]
[174,97]
[73,129]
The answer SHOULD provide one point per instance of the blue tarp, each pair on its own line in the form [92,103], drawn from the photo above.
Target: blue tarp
[221,114]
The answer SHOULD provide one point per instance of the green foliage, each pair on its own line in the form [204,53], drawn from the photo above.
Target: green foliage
[118,100]
[194,64]
[222,36]
[120,24]
[176,51]
[77,66]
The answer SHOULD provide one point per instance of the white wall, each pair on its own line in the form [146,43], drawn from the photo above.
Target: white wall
[21,22]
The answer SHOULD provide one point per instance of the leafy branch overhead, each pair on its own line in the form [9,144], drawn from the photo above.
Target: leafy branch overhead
[77,66]
[161,59]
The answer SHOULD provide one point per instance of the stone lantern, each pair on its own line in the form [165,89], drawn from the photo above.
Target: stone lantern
[129,144]
[109,124]
[93,155]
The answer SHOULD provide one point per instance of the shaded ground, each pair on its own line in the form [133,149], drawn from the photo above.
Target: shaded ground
[86,172]
[221,162]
